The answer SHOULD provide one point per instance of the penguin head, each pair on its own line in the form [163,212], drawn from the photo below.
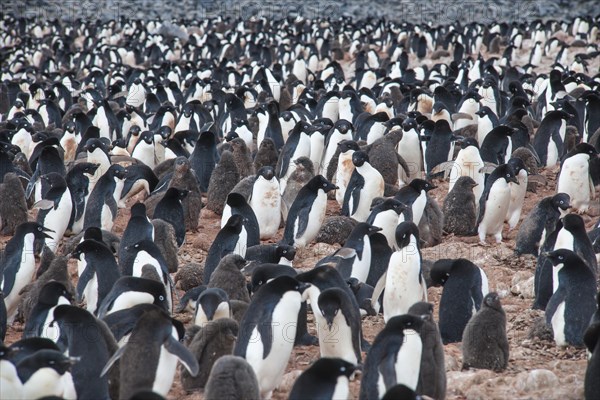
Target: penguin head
[135,130]
[235,223]
[165,132]
[54,180]
[182,164]
[359,158]
[326,367]
[38,231]
[304,163]
[584,148]
[516,165]
[440,271]
[93,144]
[319,182]
[573,223]
[484,111]
[465,182]
[93,233]
[330,304]
[46,358]
[117,171]
[176,193]
[236,260]
[266,173]
[70,127]
[392,204]
[422,310]
[343,126]
[52,291]
[348,145]
[561,201]
[492,300]
[469,141]
[421,184]
[409,124]
[399,323]
[287,283]
[507,173]
[210,300]
[286,251]
[404,232]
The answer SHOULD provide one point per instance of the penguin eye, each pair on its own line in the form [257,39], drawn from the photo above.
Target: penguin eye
[561,257]
[324,184]
[51,362]
[39,228]
[343,369]
[404,236]
[561,202]
[161,297]
[508,175]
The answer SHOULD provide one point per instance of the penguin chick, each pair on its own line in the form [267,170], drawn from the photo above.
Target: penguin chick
[303,173]
[266,156]
[326,379]
[242,157]
[228,276]
[223,179]
[13,206]
[460,209]
[484,341]
[231,378]
[165,240]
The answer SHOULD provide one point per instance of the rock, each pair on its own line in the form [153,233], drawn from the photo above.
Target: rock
[523,288]
[537,379]
[288,381]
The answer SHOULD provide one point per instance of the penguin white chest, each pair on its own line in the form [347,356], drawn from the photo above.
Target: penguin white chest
[574,180]
[361,265]
[517,196]
[558,325]
[418,207]
[402,287]
[373,187]
[266,204]
[337,340]
[409,359]
[10,384]
[344,171]
[387,221]
[129,299]
[43,382]
[58,220]
[24,275]
[165,370]
[316,216]
[342,389]
[468,163]
[409,149]
[496,207]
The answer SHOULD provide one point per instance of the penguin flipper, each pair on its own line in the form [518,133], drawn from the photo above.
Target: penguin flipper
[445,167]
[303,215]
[185,357]
[378,289]
[591,336]
[387,369]
[488,167]
[85,277]
[403,164]
[44,204]
[557,298]
[120,351]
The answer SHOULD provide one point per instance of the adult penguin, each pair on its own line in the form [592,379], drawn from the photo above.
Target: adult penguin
[236,204]
[19,264]
[575,178]
[465,285]
[138,228]
[549,139]
[574,301]
[387,215]
[101,210]
[56,208]
[39,321]
[403,281]
[440,147]
[297,145]
[414,195]
[494,203]
[326,379]
[344,168]
[342,130]
[149,359]
[271,317]
[307,213]
[265,200]
[517,191]
[355,257]
[81,181]
[231,239]
[591,339]
[170,210]
[366,183]
[394,357]
[204,158]
[497,145]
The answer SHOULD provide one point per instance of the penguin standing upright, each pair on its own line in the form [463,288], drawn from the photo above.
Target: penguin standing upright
[212,304]
[170,210]
[484,341]
[460,208]
[81,181]
[297,145]
[345,168]
[204,158]
[144,149]
[468,163]
[366,183]
[403,282]
[13,205]
[271,317]
[326,379]
[409,148]
[338,326]
[494,203]
[440,147]
[19,264]
[229,277]
[574,301]
[265,201]
[549,139]
[56,208]
[101,209]
[342,130]
[386,216]
[394,357]
[39,322]
[307,213]
[302,174]
[415,196]
[465,285]
[149,359]
[517,192]
[231,378]
[574,177]
[432,373]
[237,204]
[223,179]
[355,256]
[231,239]
[46,373]
[138,228]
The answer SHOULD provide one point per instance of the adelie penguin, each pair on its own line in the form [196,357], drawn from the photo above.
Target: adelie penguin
[484,341]
[129,291]
[56,208]
[387,215]
[265,201]
[465,285]
[13,206]
[344,168]
[212,304]
[394,357]
[170,209]
[574,302]
[228,276]
[39,323]
[403,281]
[231,378]
[575,177]
[460,208]
[549,138]
[19,264]
[302,174]
[355,257]
[494,203]
[149,359]
[223,179]
[268,329]
[517,191]
[307,213]
[366,183]
[138,228]
[231,239]
[327,379]
[415,196]
[46,373]
[101,209]
[236,204]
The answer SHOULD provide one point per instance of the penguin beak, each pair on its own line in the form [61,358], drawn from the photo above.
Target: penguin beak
[514,180]
[303,286]
[374,229]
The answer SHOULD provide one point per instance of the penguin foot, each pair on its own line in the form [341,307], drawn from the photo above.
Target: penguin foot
[306,340]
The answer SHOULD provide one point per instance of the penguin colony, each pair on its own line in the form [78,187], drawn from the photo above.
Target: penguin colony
[277,126]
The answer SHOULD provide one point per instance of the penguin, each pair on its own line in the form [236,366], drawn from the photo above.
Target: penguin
[345,168]
[271,253]
[494,203]
[574,301]
[170,210]
[231,378]
[484,340]
[228,276]
[517,192]
[38,323]
[212,341]
[266,156]
[432,372]
[386,215]
[130,291]
[19,264]
[97,153]
[231,239]
[223,179]
[138,228]
[271,317]
[307,213]
[341,131]
[366,183]
[204,158]
[460,208]
[149,359]
[265,201]
[81,180]
[574,177]
[144,150]
[572,235]
[139,178]
[468,163]
[212,304]
[297,145]
[540,222]
[13,206]
[414,195]
[440,147]
[101,209]
[487,121]
[591,339]
[394,357]
[46,373]
[56,208]
[237,204]
[497,146]
[11,386]
[338,326]
[98,271]
[300,176]
[87,379]
[465,285]
[403,280]
[549,139]
[327,379]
